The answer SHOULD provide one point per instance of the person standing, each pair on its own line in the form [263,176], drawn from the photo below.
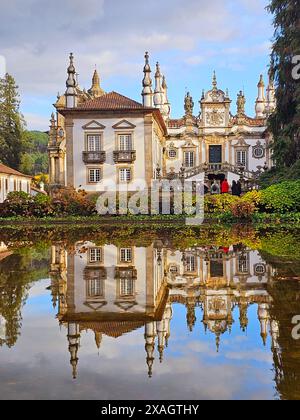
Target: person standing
[215,188]
[234,188]
[225,187]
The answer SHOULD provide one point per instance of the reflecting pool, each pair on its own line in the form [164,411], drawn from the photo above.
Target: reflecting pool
[144,313]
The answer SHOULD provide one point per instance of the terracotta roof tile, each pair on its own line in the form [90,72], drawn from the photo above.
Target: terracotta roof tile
[112,329]
[9,171]
[111,101]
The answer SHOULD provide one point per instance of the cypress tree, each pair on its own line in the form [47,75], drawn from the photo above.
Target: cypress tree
[11,123]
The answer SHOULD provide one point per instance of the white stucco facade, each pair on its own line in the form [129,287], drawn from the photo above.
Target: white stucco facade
[11,180]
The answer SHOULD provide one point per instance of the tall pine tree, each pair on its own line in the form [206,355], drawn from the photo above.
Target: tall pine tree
[11,123]
[285,122]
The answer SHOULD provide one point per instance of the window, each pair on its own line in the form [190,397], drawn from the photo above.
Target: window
[241,158]
[125,142]
[189,159]
[243,264]
[127,287]
[126,255]
[258,152]
[173,269]
[260,269]
[94,176]
[172,154]
[125,175]
[95,255]
[93,143]
[190,264]
[95,288]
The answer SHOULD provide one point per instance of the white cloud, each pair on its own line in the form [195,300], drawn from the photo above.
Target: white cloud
[36,122]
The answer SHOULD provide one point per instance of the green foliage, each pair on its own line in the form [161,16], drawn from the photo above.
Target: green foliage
[11,123]
[243,209]
[34,158]
[281,198]
[253,197]
[17,204]
[216,204]
[278,175]
[69,201]
[285,122]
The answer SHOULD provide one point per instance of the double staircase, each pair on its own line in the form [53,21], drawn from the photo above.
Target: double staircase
[215,169]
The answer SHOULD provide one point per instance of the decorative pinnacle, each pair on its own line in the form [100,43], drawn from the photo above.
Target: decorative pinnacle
[261,81]
[157,74]
[215,83]
[146,57]
[71,68]
[147,68]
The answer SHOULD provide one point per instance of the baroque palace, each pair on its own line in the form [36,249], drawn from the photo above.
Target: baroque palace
[97,137]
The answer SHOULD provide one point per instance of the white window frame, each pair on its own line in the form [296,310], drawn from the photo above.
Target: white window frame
[95,255]
[95,288]
[94,179]
[127,287]
[94,143]
[242,157]
[126,255]
[125,175]
[189,159]
[190,264]
[243,264]
[125,142]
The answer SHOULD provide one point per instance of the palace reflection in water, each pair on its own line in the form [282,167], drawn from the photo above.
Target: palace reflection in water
[114,290]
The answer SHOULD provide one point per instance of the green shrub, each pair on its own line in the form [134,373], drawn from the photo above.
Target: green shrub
[217,204]
[243,209]
[253,197]
[42,206]
[17,204]
[69,201]
[281,198]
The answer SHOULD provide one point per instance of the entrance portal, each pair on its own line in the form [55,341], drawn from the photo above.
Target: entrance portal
[215,154]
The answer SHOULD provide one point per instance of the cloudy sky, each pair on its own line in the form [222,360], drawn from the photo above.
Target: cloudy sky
[190,38]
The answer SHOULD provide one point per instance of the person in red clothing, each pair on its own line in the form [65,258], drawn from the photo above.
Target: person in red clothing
[225,187]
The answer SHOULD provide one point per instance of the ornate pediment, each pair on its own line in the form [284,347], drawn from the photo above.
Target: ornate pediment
[93,125]
[124,125]
[189,144]
[242,143]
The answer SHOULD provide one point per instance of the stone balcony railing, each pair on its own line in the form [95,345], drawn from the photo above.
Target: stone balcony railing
[94,157]
[127,156]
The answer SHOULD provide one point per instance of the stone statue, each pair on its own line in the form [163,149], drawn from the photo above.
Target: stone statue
[241,102]
[188,104]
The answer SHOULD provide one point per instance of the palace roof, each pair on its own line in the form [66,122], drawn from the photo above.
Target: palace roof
[9,171]
[111,101]
[112,329]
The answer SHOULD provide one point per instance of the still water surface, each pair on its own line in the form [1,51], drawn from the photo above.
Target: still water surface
[149,315]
